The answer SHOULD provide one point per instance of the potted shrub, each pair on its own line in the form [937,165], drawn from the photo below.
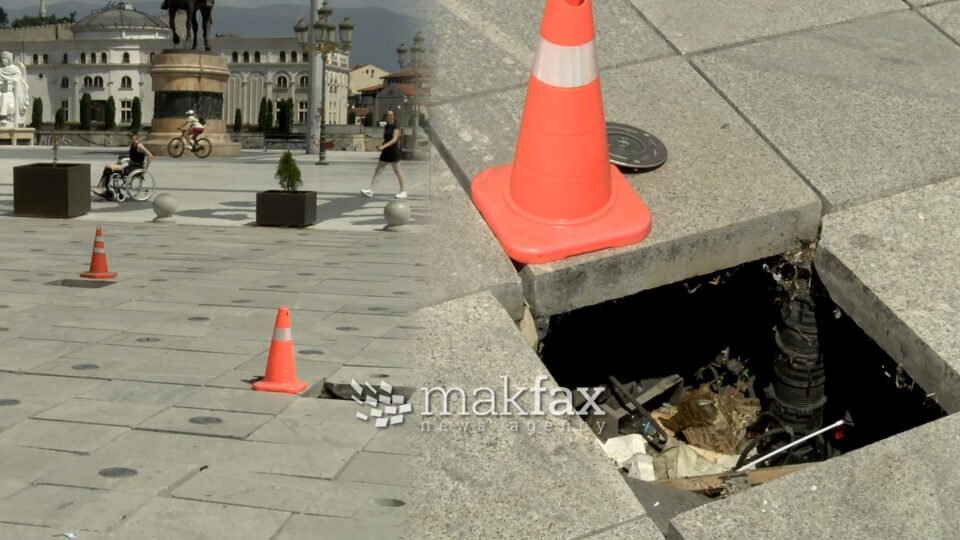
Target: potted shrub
[51,190]
[288,206]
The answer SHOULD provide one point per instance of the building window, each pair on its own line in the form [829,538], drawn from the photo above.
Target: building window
[282,82]
[103,58]
[283,57]
[98,81]
[46,59]
[304,80]
[65,82]
[126,111]
[65,60]
[87,81]
[256,57]
[36,59]
[65,105]
[126,58]
[236,57]
[83,58]
[246,57]
[302,110]
[93,58]
[151,58]
[293,57]
[126,83]
[306,57]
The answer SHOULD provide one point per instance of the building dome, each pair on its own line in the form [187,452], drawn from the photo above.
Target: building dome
[118,15]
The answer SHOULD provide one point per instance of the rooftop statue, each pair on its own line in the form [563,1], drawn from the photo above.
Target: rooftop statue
[14,91]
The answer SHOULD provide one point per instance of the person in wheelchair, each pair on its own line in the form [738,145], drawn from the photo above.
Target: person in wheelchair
[140,158]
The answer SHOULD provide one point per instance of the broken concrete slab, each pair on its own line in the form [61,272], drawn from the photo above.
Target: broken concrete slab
[841,102]
[695,25]
[890,265]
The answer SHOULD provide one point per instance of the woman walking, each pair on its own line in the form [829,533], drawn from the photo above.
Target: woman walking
[389,153]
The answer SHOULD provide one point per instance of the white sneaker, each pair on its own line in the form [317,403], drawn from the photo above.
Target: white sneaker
[366,192]
[402,195]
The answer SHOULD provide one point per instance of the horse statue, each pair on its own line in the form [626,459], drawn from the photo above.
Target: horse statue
[191,7]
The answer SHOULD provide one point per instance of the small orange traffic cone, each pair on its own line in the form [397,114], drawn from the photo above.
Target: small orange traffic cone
[561,196]
[98,261]
[281,373]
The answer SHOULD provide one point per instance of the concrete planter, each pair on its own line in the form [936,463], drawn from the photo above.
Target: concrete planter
[280,208]
[51,191]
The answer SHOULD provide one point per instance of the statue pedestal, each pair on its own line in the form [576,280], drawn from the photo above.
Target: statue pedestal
[186,80]
[14,136]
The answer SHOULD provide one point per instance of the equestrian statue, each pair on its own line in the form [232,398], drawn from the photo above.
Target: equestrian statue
[191,7]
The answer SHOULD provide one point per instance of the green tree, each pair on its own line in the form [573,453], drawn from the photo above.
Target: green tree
[285,116]
[269,115]
[28,20]
[86,111]
[37,119]
[352,117]
[288,173]
[61,119]
[136,114]
[4,18]
[262,124]
[110,115]
[238,121]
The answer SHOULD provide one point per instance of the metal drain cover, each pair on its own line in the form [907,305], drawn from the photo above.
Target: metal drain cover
[633,147]
[205,420]
[117,472]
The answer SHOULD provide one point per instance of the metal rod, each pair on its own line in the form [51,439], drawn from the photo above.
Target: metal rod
[836,424]
[659,445]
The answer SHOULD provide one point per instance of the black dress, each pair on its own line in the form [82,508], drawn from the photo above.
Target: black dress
[137,158]
[390,154]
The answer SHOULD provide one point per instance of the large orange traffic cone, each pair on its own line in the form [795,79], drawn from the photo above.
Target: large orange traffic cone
[98,261]
[281,373]
[561,196]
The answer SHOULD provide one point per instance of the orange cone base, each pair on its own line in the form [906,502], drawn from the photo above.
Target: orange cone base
[99,275]
[530,241]
[294,387]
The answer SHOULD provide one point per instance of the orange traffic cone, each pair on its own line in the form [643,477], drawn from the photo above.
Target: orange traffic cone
[98,261]
[561,196]
[281,373]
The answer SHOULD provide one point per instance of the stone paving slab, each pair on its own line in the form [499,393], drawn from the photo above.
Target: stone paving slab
[20,406]
[25,465]
[890,265]
[110,413]
[212,423]
[30,532]
[695,25]
[146,393]
[380,468]
[163,518]
[848,103]
[225,399]
[303,526]
[63,436]
[70,509]
[329,422]
[894,488]
[140,476]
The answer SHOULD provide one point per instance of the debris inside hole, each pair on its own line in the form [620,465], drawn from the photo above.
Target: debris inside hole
[731,380]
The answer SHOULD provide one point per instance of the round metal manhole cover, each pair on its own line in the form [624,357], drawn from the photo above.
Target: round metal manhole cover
[117,472]
[9,402]
[199,319]
[311,352]
[84,367]
[205,420]
[147,340]
[347,328]
[634,148]
[389,502]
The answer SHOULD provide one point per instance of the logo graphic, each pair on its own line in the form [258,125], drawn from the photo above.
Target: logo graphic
[393,405]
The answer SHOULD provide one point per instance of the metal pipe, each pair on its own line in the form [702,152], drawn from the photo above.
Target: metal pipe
[753,463]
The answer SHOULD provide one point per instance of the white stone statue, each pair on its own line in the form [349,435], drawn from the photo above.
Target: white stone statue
[14,91]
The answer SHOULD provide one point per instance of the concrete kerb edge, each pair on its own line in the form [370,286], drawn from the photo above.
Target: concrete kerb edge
[897,339]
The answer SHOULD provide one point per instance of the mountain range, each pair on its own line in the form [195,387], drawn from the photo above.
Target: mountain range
[377,33]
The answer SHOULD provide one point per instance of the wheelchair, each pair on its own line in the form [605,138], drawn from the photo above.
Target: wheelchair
[130,183]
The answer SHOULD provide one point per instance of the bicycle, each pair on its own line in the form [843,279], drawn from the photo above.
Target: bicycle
[136,184]
[177,144]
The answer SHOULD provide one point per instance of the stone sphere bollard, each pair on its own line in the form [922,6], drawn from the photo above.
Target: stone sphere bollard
[396,213]
[164,206]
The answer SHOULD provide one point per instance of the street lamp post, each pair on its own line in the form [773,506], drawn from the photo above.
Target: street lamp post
[416,63]
[322,42]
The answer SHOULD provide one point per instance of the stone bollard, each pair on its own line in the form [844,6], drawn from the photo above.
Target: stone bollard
[164,206]
[396,213]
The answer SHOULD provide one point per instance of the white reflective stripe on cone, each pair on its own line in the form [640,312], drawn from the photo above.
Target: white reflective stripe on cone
[99,250]
[98,239]
[565,67]
[282,334]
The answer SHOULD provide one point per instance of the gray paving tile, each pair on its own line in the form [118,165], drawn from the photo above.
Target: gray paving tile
[310,421]
[80,335]
[104,354]
[879,81]
[377,468]
[693,25]
[303,526]
[92,411]
[227,399]
[302,495]
[182,367]
[98,368]
[127,475]
[30,532]
[106,319]
[62,388]
[69,508]
[162,519]
[25,465]
[23,406]
[25,354]
[188,344]
[146,393]
[65,436]
[206,422]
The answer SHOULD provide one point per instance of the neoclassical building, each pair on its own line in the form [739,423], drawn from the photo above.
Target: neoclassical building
[108,53]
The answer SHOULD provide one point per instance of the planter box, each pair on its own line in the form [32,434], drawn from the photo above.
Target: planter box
[51,191]
[280,208]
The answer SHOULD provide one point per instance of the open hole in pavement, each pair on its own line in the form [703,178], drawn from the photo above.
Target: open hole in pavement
[763,339]
[82,283]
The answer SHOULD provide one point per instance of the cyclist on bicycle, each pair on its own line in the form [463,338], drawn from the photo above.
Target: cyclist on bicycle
[196,127]
[140,158]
